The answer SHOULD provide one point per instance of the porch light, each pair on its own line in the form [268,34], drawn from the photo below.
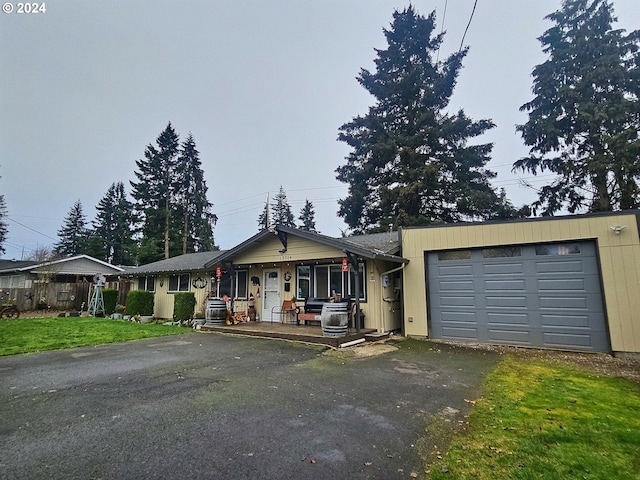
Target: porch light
[617,229]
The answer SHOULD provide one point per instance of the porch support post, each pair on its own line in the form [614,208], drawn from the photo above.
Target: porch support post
[353,259]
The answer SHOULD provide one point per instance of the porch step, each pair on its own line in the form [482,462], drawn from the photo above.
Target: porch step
[375,336]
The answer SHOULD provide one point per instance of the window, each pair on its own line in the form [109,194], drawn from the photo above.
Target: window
[179,283]
[329,279]
[147,283]
[303,282]
[558,249]
[234,284]
[501,252]
[454,255]
[242,284]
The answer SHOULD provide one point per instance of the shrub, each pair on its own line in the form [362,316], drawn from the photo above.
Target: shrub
[183,305]
[110,296]
[139,302]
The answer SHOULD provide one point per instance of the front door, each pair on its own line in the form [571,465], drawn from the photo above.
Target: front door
[271,282]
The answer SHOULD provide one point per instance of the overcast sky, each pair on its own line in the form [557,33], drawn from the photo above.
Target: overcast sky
[263,86]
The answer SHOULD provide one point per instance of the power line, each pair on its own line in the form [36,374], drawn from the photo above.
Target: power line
[32,229]
[468,24]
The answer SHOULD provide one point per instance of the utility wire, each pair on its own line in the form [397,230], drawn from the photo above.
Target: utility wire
[468,24]
[444,16]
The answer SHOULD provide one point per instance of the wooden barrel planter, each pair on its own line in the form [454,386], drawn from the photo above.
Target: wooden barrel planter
[334,320]
[216,312]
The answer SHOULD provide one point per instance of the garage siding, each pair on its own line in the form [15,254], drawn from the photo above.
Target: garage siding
[541,296]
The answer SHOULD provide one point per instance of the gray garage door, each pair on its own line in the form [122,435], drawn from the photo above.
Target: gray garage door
[535,295]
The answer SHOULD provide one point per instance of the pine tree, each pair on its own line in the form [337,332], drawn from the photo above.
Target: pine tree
[197,221]
[264,219]
[307,217]
[584,119]
[73,234]
[4,227]
[411,161]
[281,209]
[113,226]
[155,193]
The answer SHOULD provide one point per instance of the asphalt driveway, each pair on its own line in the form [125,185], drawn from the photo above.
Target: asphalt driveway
[208,406]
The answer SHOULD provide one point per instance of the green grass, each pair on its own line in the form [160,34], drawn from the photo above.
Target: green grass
[548,421]
[27,335]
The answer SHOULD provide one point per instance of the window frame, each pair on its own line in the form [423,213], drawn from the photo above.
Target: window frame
[179,280]
[347,280]
[145,280]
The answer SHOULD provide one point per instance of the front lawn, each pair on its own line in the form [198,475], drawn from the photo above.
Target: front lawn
[27,335]
[548,420]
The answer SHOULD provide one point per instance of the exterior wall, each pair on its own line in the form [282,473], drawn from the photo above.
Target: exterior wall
[298,250]
[619,257]
[163,300]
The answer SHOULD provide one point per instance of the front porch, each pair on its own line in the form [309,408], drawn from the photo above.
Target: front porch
[298,333]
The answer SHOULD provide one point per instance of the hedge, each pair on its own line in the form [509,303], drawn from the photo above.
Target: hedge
[140,302]
[184,304]
[110,296]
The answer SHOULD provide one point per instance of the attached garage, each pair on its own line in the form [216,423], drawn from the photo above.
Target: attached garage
[568,282]
[545,295]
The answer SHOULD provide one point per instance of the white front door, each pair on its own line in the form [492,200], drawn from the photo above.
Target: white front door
[271,282]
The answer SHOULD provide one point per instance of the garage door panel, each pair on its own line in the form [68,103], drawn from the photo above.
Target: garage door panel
[542,296]
[458,301]
[503,269]
[570,341]
[565,321]
[561,285]
[458,286]
[456,270]
[522,337]
[460,333]
[511,301]
[560,267]
[504,285]
[459,316]
[564,303]
[507,318]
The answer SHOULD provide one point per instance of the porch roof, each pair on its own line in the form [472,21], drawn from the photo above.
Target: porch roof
[376,246]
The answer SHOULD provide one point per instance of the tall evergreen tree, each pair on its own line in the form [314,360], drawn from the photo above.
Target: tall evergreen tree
[584,119]
[113,226]
[73,234]
[308,217]
[154,193]
[194,208]
[282,214]
[4,227]
[264,219]
[411,161]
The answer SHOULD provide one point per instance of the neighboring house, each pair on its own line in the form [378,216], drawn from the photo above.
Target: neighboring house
[184,273]
[59,285]
[283,264]
[561,282]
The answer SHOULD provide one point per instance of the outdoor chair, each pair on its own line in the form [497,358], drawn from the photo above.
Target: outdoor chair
[288,310]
